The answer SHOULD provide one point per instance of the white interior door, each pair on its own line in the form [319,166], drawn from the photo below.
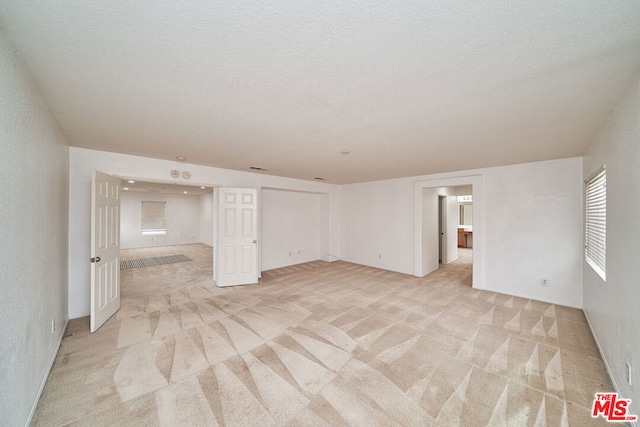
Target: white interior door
[105,248]
[443,254]
[236,230]
[429,231]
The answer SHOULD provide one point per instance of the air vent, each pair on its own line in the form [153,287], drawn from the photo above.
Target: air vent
[256,168]
[320,179]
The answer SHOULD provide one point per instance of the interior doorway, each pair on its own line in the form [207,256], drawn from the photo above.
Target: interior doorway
[428,209]
[167,226]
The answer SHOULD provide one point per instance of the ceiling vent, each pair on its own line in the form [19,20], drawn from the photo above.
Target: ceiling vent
[256,168]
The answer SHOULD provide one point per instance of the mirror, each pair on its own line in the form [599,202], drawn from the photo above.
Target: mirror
[466,214]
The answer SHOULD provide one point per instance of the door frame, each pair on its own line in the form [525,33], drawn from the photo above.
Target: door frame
[478,281]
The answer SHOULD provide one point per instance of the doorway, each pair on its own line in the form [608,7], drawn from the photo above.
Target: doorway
[427,238]
[167,226]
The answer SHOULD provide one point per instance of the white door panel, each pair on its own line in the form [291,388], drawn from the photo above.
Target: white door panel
[237,237]
[105,248]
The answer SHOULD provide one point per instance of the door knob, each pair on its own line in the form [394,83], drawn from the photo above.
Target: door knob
[255,241]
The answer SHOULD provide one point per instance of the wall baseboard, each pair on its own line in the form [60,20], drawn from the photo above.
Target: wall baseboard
[527,296]
[604,360]
[46,377]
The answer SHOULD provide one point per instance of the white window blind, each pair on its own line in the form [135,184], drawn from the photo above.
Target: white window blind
[596,223]
[153,219]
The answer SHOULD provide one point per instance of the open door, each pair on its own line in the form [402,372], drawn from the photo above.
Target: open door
[105,248]
[443,254]
[236,253]
[429,231]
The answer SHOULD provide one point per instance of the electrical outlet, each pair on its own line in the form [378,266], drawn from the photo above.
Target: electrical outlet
[53,326]
[544,282]
[629,373]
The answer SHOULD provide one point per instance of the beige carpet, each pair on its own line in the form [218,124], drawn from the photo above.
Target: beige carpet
[323,344]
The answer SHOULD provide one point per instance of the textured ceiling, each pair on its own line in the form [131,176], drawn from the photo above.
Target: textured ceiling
[410,87]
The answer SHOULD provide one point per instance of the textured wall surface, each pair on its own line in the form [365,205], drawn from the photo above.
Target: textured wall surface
[34,160]
[612,307]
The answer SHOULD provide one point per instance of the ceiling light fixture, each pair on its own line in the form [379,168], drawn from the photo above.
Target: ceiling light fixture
[185,192]
[181,159]
[345,152]
[126,188]
[131,181]
[202,188]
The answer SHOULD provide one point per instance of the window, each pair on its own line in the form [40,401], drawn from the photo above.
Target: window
[153,221]
[595,248]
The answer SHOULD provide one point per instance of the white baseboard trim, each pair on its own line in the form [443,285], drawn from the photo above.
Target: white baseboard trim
[604,360]
[44,380]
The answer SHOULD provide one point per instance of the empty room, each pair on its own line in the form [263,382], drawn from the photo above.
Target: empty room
[335,213]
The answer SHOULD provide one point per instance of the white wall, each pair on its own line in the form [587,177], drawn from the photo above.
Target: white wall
[182,219]
[377,221]
[33,239]
[205,220]
[83,161]
[452,225]
[533,230]
[293,224]
[532,227]
[612,307]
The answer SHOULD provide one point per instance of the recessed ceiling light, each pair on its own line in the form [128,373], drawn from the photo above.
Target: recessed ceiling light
[345,152]
[131,181]
[125,188]
[202,188]
[256,168]
[185,192]
[181,159]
